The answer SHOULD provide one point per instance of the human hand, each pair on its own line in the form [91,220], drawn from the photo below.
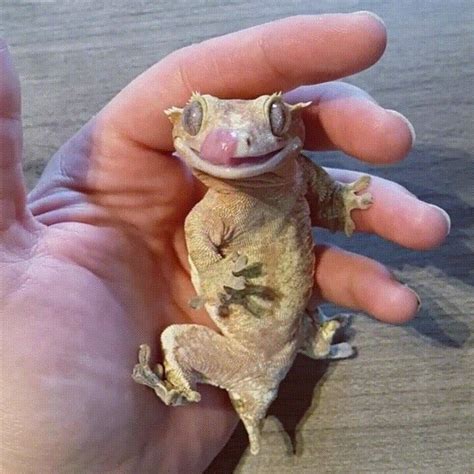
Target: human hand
[94,262]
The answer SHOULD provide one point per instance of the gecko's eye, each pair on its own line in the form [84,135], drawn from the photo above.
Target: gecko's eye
[279,118]
[192,117]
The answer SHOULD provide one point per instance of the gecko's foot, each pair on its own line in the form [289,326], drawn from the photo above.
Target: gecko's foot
[343,350]
[344,319]
[142,372]
[329,326]
[144,375]
[326,349]
[352,200]
[320,345]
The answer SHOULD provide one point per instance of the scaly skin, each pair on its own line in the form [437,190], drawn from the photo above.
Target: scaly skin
[251,255]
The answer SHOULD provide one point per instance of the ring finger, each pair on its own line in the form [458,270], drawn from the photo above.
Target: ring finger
[360,283]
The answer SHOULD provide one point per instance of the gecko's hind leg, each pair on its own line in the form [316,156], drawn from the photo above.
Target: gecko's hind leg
[192,354]
[196,354]
[168,392]
[318,336]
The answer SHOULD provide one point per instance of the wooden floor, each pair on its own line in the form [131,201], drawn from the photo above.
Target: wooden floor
[405,404]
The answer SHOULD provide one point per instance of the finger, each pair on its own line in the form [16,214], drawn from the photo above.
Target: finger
[361,283]
[209,425]
[275,56]
[398,215]
[12,188]
[346,118]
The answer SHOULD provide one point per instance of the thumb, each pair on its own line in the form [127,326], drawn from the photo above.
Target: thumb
[12,187]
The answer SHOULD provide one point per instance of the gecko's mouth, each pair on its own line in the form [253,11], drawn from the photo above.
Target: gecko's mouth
[241,166]
[250,160]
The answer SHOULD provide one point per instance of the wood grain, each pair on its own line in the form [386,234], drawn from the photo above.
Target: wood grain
[405,404]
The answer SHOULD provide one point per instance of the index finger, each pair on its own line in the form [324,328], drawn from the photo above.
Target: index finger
[276,56]
[12,188]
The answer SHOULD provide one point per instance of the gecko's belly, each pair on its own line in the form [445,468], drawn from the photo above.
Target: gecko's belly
[276,295]
[286,264]
[274,233]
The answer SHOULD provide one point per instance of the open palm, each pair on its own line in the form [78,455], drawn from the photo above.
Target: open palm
[94,260]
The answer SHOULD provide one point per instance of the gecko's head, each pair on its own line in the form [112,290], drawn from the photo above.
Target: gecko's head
[236,138]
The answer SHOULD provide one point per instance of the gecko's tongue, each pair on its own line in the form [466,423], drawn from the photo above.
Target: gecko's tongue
[219,147]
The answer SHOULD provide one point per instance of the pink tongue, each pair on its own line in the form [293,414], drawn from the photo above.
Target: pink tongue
[219,147]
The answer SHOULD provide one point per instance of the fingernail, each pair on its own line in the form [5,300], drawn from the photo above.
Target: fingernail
[407,122]
[418,299]
[446,216]
[402,282]
[371,14]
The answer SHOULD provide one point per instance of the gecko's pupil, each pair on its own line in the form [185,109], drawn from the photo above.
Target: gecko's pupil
[278,118]
[192,117]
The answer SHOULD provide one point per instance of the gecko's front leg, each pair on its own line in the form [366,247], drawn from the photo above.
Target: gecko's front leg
[352,200]
[332,202]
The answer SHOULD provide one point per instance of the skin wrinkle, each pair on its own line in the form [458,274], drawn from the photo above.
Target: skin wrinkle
[12,199]
[9,90]
[179,247]
[64,197]
[14,287]
[12,147]
[178,303]
[73,172]
[218,68]
[272,65]
[184,78]
[375,269]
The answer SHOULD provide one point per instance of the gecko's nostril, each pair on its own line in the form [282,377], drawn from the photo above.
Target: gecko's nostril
[249,142]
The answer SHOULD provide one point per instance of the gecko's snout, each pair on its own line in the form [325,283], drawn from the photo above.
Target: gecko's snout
[219,146]
[232,148]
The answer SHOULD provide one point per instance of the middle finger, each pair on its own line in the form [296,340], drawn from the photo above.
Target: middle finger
[346,118]
[397,215]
